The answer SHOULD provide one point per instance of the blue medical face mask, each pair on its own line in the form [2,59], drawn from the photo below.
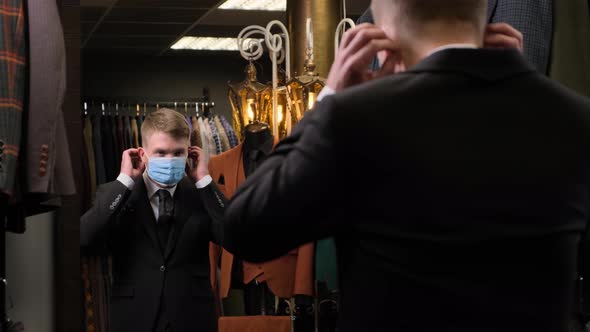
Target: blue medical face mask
[166,171]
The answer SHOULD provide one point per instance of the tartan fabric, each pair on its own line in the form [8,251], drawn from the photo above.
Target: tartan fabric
[12,88]
[534,18]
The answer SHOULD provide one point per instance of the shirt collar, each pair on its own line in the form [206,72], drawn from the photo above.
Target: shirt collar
[450,46]
[152,187]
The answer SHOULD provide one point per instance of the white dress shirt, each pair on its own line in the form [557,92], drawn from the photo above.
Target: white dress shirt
[328,91]
[152,188]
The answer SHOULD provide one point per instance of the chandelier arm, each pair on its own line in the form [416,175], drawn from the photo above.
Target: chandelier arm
[340,29]
[251,48]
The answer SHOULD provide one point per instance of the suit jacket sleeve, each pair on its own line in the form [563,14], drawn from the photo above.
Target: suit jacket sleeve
[289,200]
[215,203]
[100,221]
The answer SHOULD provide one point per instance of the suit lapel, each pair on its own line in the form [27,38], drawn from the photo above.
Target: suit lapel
[141,203]
[181,214]
[234,177]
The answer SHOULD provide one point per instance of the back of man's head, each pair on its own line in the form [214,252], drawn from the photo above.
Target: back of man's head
[413,16]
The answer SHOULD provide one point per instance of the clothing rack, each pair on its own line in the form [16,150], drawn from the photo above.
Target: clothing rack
[200,106]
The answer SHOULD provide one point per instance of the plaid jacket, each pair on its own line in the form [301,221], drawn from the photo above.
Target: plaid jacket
[12,88]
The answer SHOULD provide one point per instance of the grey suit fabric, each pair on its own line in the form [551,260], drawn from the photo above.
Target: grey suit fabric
[49,168]
[534,18]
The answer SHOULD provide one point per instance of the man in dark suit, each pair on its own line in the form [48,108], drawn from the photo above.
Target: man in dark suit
[157,225]
[457,191]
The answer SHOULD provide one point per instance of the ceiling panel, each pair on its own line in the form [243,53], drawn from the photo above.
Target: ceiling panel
[95,3]
[91,14]
[242,18]
[203,4]
[152,42]
[144,26]
[215,31]
[140,29]
[155,15]
[85,28]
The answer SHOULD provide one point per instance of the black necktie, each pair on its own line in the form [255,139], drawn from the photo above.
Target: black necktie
[165,216]
[253,157]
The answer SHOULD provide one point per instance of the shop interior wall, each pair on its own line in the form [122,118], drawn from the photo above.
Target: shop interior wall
[30,274]
[171,77]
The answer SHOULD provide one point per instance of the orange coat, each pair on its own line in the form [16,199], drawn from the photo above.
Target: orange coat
[286,276]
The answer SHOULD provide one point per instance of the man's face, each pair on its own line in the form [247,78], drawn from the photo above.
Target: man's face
[160,144]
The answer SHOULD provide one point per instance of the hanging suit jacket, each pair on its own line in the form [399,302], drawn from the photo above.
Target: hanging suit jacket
[12,91]
[222,135]
[123,222]
[196,133]
[286,276]
[97,143]
[48,155]
[134,133]
[91,160]
[469,218]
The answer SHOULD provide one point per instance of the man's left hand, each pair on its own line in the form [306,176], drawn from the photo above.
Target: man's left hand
[503,35]
[200,163]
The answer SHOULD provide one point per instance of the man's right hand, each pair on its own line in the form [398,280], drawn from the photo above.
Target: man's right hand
[359,47]
[131,164]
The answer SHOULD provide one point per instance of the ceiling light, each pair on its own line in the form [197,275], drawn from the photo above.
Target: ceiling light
[275,5]
[208,44]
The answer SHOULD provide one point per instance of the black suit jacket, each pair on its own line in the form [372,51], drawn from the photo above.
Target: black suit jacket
[457,193]
[124,222]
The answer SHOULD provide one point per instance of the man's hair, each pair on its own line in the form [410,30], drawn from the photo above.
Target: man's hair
[165,121]
[417,12]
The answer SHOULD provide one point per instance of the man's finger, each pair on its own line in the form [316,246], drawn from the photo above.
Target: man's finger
[361,59]
[361,39]
[506,29]
[350,34]
[502,41]
[388,68]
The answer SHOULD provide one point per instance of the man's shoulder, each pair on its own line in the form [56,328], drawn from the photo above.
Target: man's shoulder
[380,90]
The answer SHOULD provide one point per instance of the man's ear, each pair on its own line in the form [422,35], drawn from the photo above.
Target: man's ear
[141,152]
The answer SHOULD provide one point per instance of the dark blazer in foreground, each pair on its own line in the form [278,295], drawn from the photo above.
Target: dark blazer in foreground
[124,222]
[457,193]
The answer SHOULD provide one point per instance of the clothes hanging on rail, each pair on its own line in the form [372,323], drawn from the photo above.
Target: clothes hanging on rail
[222,135]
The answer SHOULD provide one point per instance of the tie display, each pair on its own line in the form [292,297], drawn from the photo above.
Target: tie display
[165,216]
[253,160]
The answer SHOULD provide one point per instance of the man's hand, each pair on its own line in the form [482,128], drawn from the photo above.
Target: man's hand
[131,164]
[358,48]
[200,164]
[503,35]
